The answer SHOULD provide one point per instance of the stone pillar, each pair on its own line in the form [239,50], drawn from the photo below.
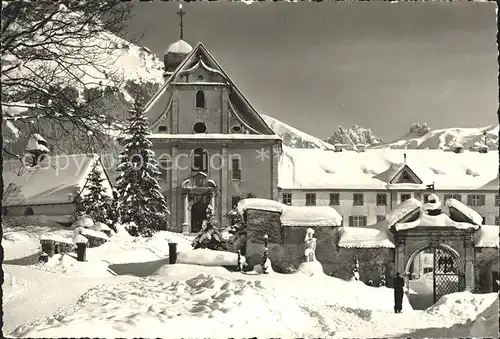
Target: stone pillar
[274,152]
[185,225]
[469,263]
[223,186]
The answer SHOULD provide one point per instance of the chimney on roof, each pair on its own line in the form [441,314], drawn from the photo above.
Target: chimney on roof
[404,155]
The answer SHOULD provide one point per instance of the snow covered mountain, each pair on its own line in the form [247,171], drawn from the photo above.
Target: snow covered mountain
[422,137]
[350,137]
[293,137]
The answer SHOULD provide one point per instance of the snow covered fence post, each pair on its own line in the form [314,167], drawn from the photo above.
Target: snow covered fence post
[172,253]
[355,271]
[48,246]
[239,261]
[81,245]
[264,256]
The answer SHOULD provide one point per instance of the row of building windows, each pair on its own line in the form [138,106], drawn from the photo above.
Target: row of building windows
[361,220]
[358,199]
[200,162]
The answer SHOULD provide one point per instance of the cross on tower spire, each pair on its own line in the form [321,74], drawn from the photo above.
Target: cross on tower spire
[181,13]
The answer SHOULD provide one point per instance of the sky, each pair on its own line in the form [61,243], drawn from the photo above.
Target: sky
[316,66]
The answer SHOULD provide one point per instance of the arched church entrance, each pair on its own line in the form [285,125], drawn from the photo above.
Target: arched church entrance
[433,271]
[198,215]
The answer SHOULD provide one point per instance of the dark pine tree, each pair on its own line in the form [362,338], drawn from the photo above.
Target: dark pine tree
[140,199]
[95,203]
[210,235]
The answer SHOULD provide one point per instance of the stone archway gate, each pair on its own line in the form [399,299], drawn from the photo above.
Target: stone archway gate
[445,242]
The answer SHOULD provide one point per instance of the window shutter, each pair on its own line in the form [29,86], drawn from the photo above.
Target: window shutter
[469,199]
[364,221]
[351,220]
[482,200]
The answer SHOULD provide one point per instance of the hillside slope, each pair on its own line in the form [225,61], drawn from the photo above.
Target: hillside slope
[293,137]
[446,138]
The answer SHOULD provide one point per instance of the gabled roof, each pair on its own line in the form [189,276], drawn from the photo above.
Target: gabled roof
[248,113]
[58,180]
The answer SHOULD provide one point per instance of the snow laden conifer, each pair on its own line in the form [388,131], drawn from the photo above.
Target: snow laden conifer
[210,235]
[95,203]
[140,198]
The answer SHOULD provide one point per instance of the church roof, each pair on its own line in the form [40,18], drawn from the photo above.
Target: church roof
[57,180]
[243,109]
[180,47]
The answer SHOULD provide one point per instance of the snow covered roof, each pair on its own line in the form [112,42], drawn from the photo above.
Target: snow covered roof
[441,220]
[364,237]
[402,210]
[487,236]
[465,210]
[310,216]
[294,215]
[180,46]
[320,169]
[260,204]
[59,179]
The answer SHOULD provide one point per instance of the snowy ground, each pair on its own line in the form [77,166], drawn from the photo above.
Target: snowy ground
[127,289]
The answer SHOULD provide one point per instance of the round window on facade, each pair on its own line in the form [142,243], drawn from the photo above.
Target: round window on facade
[200,127]
[236,129]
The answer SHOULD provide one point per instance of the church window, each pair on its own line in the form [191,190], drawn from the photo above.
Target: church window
[199,162]
[200,99]
[357,199]
[200,127]
[28,211]
[236,169]
[310,199]
[162,129]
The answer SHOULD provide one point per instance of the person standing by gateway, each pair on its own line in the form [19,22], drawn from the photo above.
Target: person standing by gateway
[399,284]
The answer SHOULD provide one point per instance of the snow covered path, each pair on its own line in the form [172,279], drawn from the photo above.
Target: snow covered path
[31,294]
[197,301]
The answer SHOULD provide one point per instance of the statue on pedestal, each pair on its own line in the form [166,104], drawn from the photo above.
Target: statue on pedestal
[310,243]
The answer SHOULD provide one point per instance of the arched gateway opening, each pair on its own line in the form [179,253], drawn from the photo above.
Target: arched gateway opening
[433,271]
[434,249]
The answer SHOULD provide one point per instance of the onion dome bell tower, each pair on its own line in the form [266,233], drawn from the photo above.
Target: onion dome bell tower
[176,52]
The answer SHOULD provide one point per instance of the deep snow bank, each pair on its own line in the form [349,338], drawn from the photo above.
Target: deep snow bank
[204,306]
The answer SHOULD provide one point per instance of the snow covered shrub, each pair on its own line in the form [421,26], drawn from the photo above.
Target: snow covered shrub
[210,235]
[140,197]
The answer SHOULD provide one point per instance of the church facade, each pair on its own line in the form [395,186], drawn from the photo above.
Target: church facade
[213,147]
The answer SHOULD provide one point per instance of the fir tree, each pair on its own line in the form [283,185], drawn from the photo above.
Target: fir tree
[95,203]
[139,193]
[210,235]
